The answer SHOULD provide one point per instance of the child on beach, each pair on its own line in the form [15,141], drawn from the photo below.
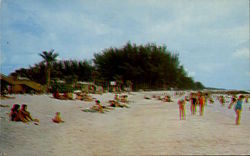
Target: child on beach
[181,104]
[237,108]
[57,118]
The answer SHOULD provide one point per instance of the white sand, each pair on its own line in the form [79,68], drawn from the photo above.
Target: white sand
[148,127]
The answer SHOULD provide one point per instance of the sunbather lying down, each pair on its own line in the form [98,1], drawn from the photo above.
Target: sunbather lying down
[114,103]
[145,97]
[167,98]
[97,108]
[124,98]
[84,96]
[64,96]
[1,105]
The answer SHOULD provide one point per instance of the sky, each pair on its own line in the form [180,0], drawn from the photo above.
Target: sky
[210,36]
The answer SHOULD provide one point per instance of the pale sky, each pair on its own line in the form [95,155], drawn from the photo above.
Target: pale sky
[211,36]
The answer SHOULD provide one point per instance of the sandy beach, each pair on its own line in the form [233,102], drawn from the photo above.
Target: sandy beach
[148,127]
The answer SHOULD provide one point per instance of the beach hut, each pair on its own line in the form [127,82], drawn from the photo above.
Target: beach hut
[19,86]
[5,83]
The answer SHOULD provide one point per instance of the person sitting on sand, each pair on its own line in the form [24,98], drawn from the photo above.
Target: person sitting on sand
[56,94]
[181,104]
[124,98]
[116,98]
[26,114]
[16,115]
[14,112]
[167,98]
[79,96]
[98,107]
[57,118]
[67,96]
[114,103]
[237,108]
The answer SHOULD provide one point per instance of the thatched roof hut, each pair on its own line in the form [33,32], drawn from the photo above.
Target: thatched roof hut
[20,86]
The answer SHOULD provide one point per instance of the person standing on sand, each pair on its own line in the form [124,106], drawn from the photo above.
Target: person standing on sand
[193,102]
[246,99]
[182,112]
[237,108]
[233,100]
[222,100]
[201,100]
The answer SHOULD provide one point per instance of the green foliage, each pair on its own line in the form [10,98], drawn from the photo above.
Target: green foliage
[68,70]
[147,66]
[49,57]
[61,87]
[140,66]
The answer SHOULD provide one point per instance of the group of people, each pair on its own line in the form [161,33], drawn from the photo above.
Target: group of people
[83,96]
[165,98]
[200,99]
[116,102]
[64,96]
[195,99]
[72,96]
[238,105]
[23,115]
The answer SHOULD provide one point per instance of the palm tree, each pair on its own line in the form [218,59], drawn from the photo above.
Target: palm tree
[49,58]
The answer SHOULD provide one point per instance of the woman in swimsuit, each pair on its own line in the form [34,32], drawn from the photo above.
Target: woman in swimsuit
[181,104]
[237,108]
[193,102]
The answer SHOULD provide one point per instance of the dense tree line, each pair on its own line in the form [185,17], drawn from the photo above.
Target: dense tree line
[68,70]
[145,66]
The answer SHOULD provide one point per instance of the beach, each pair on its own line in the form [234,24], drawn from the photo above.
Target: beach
[147,127]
